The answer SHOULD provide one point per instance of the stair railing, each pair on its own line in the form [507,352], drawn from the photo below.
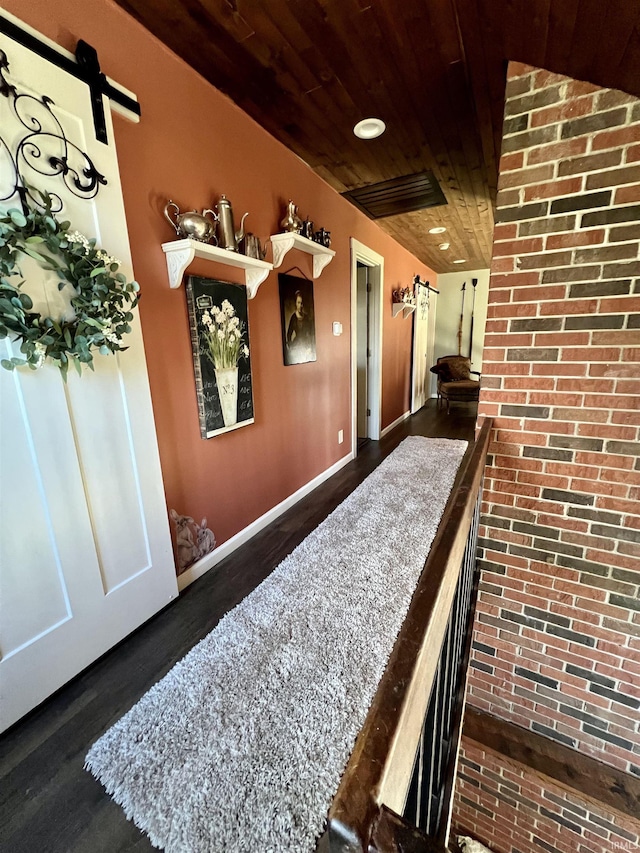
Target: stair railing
[396,791]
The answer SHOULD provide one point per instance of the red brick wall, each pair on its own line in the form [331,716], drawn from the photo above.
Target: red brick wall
[557,635]
[513,811]
[557,644]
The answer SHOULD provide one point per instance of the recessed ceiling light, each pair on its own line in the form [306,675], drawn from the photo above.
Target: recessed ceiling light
[369,128]
[444,246]
[439,230]
[460,261]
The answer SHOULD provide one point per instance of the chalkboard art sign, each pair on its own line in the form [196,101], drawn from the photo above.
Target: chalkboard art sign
[219,325]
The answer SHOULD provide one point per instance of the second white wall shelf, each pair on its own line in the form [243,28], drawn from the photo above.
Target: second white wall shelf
[181,253]
[282,243]
[406,308]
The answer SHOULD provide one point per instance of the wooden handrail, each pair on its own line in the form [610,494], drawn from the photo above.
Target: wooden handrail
[378,774]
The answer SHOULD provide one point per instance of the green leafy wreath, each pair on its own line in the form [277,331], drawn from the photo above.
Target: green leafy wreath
[102,297]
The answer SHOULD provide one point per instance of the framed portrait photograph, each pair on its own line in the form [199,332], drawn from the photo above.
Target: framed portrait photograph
[219,324]
[297,318]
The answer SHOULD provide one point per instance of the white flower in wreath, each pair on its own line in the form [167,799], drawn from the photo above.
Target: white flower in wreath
[108,259]
[110,335]
[77,237]
[41,354]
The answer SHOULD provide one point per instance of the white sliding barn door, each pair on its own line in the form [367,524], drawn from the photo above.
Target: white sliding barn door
[85,547]
[420,371]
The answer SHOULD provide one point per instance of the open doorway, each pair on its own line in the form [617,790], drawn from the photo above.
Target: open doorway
[363,354]
[367,276]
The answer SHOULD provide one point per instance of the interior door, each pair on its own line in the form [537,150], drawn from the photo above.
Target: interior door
[420,372]
[85,549]
[362,332]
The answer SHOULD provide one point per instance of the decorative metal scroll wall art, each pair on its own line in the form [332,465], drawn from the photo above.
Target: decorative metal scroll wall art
[424,302]
[40,149]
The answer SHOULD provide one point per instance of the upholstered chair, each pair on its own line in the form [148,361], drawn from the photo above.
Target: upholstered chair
[454,380]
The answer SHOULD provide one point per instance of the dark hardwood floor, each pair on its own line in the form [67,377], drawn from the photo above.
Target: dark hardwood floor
[48,802]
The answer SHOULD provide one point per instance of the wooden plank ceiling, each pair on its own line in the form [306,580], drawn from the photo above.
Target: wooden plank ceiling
[432,70]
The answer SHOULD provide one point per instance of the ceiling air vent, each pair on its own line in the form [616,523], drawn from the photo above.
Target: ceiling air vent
[399,195]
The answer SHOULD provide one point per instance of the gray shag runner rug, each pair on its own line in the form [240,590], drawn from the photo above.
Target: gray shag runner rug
[241,746]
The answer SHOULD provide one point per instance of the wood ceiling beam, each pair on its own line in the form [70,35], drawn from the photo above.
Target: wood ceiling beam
[592,779]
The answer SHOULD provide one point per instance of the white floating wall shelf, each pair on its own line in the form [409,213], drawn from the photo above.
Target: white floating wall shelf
[282,243]
[397,307]
[181,253]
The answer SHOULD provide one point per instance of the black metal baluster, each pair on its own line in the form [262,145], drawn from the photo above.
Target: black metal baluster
[425,801]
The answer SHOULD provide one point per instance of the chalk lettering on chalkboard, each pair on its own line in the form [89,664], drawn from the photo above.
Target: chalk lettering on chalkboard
[204,302]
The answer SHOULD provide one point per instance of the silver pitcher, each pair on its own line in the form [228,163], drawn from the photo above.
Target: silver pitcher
[228,237]
[192,224]
[253,247]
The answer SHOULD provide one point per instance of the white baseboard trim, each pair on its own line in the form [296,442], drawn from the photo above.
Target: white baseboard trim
[396,423]
[210,560]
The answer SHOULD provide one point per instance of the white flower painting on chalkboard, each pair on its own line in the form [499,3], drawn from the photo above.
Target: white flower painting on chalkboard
[223,333]
[221,354]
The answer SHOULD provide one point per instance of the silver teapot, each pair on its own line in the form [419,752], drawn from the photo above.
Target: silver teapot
[192,224]
[228,237]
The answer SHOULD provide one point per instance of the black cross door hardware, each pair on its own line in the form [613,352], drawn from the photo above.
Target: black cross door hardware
[85,68]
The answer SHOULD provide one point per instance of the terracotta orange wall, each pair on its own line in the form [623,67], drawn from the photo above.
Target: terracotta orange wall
[192,145]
